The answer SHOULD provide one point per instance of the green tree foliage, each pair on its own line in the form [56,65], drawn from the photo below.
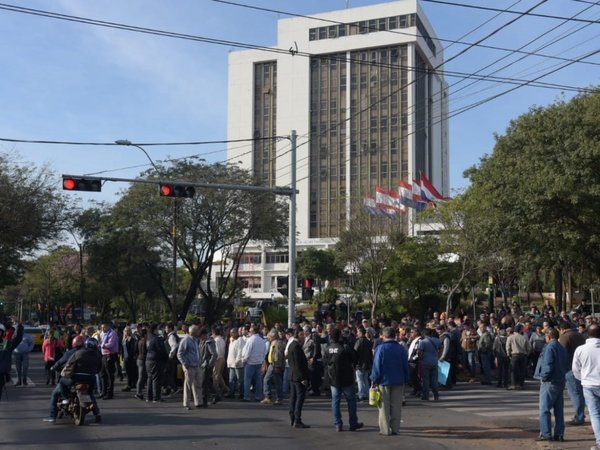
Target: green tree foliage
[318,264]
[367,248]
[538,194]
[212,230]
[31,210]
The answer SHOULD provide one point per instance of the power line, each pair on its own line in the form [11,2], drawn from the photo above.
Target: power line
[528,13]
[249,46]
[146,144]
[403,33]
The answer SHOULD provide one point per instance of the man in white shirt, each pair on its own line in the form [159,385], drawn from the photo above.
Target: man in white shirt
[586,367]
[218,382]
[235,363]
[253,356]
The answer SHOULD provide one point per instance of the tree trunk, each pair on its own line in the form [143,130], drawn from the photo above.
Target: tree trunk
[558,289]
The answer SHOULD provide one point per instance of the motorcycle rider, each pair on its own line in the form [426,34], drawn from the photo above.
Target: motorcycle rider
[86,361]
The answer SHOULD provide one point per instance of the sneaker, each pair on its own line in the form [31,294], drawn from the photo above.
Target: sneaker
[301,425]
[49,419]
[266,401]
[358,426]
[575,423]
[543,438]
[277,402]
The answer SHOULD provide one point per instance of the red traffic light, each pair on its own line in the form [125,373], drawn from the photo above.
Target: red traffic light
[69,184]
[177,190]
[82,184]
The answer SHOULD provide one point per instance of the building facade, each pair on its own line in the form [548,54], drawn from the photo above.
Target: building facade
[363,88]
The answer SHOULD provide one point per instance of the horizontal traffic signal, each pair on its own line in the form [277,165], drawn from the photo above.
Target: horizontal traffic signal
[177,190]
[81,184]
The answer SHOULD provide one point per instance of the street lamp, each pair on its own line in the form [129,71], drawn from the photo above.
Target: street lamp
[128,143]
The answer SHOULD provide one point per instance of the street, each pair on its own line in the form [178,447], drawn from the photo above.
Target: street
[469,416]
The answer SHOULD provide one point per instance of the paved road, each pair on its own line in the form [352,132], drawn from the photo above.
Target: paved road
[467,417]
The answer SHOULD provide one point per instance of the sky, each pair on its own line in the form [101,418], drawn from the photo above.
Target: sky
[69,81]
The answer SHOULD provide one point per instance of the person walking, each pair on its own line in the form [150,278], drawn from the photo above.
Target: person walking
[299,378]
[235,364]
[571,339]
[253,356]
[219,384]
[141,363]
[339,359]
[274,374]
[553,364]
[517,348]
[21,359]
[364,361]
[429,348]
[129,354]
[109,347]
[156,358]
[390,374]
[586,368]
[188,353]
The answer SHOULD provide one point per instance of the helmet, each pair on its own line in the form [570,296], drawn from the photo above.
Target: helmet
[91,343]
[78,341]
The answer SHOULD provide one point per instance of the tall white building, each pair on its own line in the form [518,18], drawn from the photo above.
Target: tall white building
[363,89]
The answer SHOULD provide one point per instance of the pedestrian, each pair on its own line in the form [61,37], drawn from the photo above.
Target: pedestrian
[7,346]
[484,347]
[141,363]
[468,343]
[21,359]
[340,358]
[414,365]
[429,348]
[156,358]
[276,366]
[571,339]
[235,365]
[208,356]
[364,362]
[390,374]
[172,343]
[109,347]
[312,351]
[188,353]
[219,384]
[553,364]
[518,349]
[253,356]
[51,348]
[129,355]
[299,377]
[586,368]
[502,359]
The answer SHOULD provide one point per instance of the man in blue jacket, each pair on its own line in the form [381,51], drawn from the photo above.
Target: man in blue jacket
[551,369]
[390,374]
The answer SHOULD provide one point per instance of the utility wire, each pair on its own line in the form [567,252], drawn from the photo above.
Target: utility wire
[145,144]
[228,43]
[403,33]
[527,13]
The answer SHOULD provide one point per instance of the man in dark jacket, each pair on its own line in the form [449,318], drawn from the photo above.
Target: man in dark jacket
[7,346]
[340,359]
[570,339]
[299,376]
[551,369]
[156,358]
[364,361]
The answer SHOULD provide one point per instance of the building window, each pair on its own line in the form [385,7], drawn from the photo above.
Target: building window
[250,258]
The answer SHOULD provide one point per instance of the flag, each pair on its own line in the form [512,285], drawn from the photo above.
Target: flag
[379,209]
[429,191]
[388,199]
[407,196]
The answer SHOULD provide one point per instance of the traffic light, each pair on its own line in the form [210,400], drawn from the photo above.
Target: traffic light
[307,290]
[282,285]
[82,184]
[177,190]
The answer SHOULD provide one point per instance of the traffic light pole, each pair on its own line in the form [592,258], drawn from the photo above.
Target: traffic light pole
[174,286]
[292,238]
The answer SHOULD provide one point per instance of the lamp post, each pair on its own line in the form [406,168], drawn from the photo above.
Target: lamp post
[128,143]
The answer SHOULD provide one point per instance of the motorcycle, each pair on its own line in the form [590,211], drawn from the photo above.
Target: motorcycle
[78,404]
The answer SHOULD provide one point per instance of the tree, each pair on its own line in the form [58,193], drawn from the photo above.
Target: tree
[366,248]
[212,230]
[318,264]
[31,212]
[541,186]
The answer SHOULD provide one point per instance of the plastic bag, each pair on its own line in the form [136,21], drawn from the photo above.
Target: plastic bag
[374,396]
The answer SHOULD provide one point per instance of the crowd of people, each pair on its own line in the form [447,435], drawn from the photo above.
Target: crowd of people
[267,364]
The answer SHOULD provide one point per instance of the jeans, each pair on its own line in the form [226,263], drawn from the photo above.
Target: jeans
[592,400]
[252,373]
[297,396]
[470,363]
[486,366]
[275,377]
[551,398]
[503,371]
[430,381]
[286,381]
[109,367]
[236,379]
[22,365]
[336,398]
[362,379]
[142,376]
[576,395]
[518,369]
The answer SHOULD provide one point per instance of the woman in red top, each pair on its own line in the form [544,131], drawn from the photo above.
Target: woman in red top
[52,349]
